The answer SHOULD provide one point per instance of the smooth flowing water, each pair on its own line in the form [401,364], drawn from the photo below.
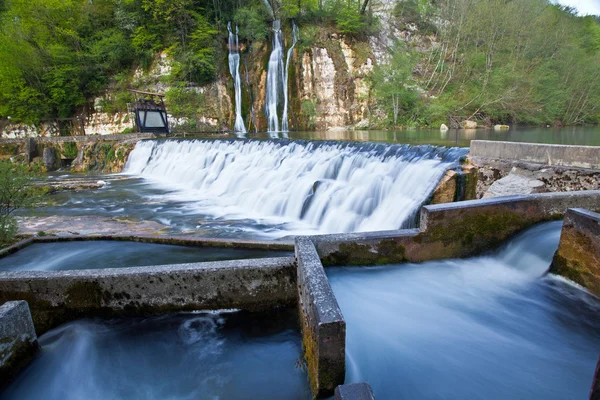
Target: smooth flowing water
[117,254]
[298,187]
[176,357]
[275,78]
[492,327]
[234,69]
[290,52]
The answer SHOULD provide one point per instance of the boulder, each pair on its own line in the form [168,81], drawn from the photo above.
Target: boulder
[444,128]
[501,127]
[514,184]
[466,124]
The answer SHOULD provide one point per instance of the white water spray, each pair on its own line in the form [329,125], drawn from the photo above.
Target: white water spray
[234,68]
[300,187]
[284,118]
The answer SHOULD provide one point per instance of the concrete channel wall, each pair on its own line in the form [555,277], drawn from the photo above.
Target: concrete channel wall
[551,154]
[578,254]
[323,326]
[59,296]
[452,230]
[18,341]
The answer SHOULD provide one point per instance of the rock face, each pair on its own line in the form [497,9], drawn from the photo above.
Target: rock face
[514,184]
[578,254]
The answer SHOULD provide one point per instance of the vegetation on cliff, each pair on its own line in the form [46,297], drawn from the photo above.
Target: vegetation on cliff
[523,61]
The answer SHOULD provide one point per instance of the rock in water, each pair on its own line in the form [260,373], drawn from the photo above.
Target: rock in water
[501,127]
[466,124]
[444,128]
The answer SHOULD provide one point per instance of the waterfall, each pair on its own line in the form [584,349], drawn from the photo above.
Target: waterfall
[275,76]
[284,118]
[234,68]
[301,187]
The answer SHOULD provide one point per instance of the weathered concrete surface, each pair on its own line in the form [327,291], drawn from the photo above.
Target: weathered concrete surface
[578,254]
[452,230]
[354,391]
[78,139]
[18,341]
[323,326]
[595,391]
[550,154]
[514,184]
[59,296]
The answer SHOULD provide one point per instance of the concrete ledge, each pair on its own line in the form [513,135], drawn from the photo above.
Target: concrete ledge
[354,391]
[18,341]
[578,254]
[59,296]
[550,154]
[452,230]
[323,326]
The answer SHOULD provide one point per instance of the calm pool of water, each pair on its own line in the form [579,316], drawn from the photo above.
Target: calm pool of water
[117,254]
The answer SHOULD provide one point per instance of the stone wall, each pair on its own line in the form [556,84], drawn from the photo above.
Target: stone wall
[578,254]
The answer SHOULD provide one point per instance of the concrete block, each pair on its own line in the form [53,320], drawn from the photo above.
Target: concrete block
[323,326]
[354,391]
[578,254]
[550,154]
[18,340]
[59,296]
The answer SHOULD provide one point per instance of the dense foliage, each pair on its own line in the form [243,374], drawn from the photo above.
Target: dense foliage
[518,61]
[16,192]
[55,55]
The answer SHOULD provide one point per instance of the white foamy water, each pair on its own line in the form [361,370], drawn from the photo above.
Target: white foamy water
[306,186]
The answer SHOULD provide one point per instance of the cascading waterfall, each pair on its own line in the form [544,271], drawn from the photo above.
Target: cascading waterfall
[234,68]
[275,77]
[301,187]
[284,118]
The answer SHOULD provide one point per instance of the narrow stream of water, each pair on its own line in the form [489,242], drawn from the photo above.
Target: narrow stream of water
[492,327]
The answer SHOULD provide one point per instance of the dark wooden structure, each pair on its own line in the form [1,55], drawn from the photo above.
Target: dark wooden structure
[150,112]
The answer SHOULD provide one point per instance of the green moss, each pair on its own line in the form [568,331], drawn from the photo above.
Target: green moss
[82,295]
[387,251]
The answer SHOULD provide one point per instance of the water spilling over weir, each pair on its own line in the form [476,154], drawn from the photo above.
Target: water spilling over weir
[307,187]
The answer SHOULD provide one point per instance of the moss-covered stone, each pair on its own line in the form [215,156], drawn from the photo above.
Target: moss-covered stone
[387,251]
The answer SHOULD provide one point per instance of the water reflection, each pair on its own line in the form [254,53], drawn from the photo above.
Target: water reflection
[588,136]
